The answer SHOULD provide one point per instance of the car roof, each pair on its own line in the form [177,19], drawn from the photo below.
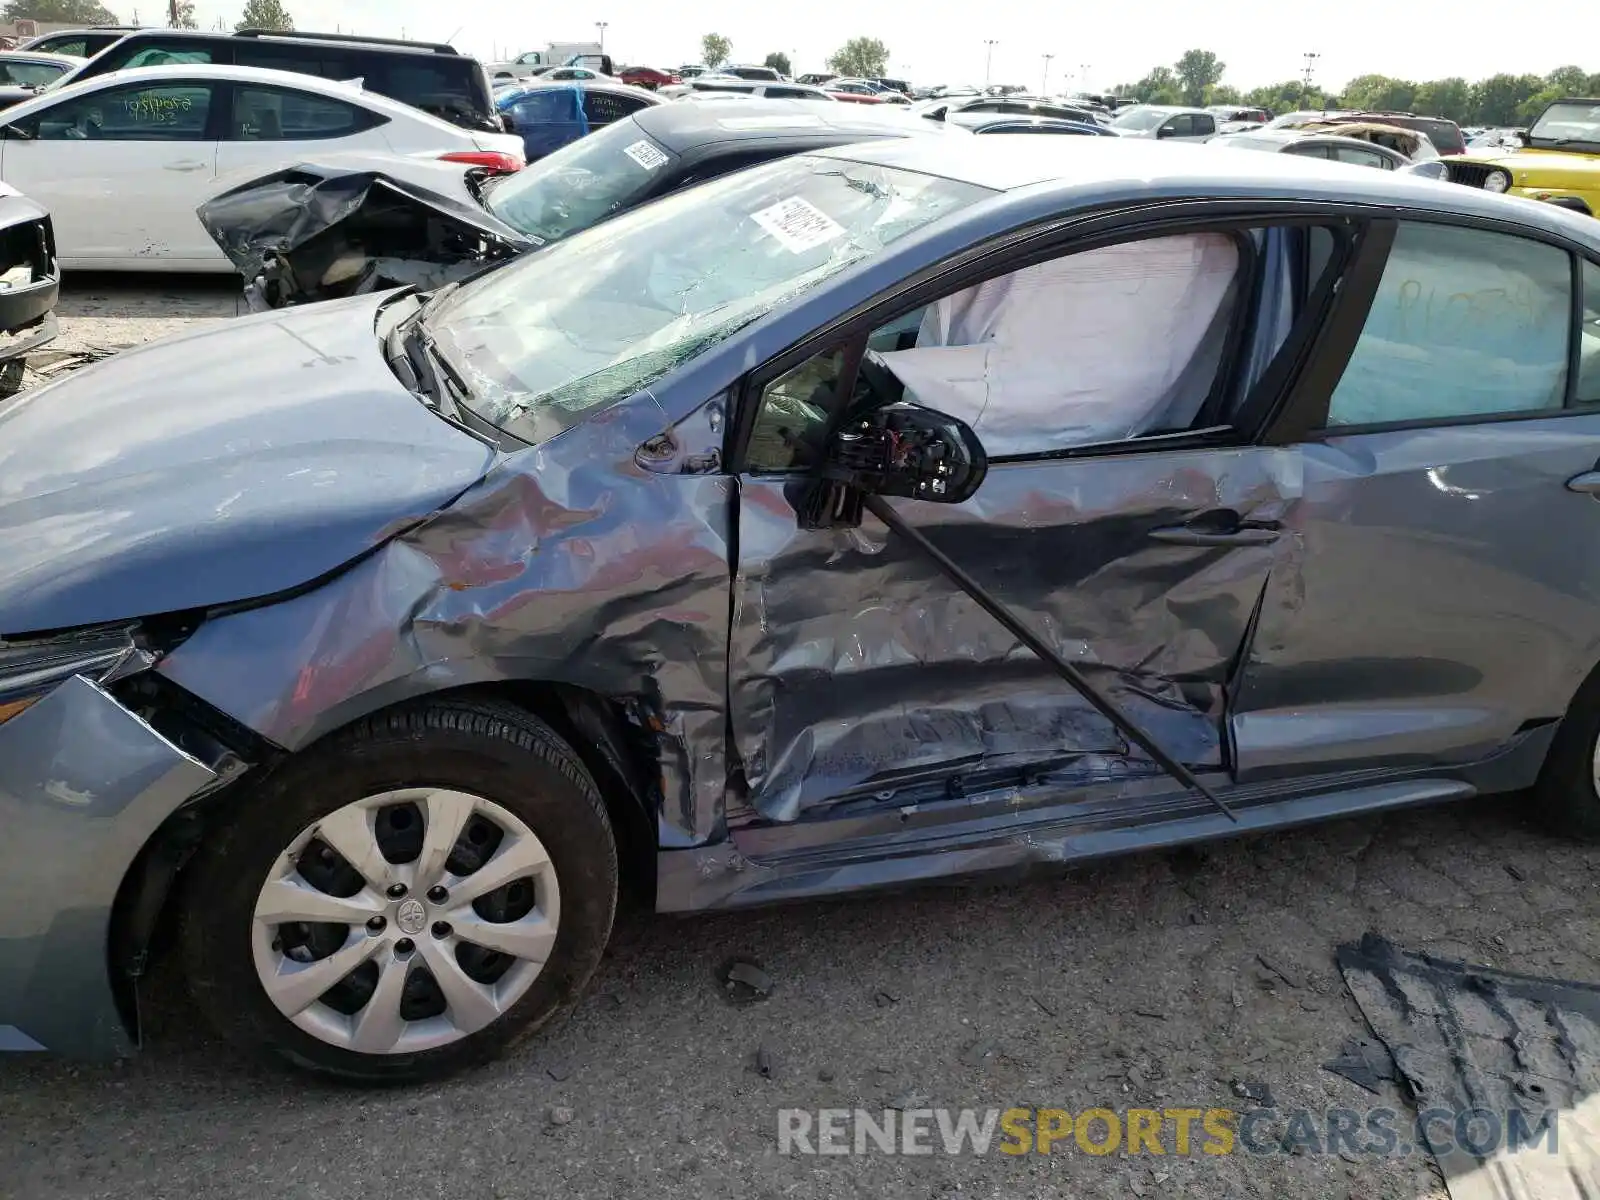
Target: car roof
[984,120]
[1277,135]
[1085,171]
[1296,136]
[42,56]
[606,83]
[683,126]
[342,41]
[333,88]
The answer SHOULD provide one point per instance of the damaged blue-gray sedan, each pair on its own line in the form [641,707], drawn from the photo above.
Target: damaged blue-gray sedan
[894,512]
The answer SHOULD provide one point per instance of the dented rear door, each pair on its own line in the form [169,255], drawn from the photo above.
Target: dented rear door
[858,672]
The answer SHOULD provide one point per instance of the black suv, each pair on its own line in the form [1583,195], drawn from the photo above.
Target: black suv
[427,75]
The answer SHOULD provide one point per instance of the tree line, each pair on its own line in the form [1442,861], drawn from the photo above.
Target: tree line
[258,14]
[859,56]
[1196,78]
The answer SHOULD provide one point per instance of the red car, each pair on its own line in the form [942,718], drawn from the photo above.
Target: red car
[646,77]
[855,97]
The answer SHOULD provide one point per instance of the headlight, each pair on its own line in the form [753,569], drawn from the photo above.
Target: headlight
[1497,181]
[30,670]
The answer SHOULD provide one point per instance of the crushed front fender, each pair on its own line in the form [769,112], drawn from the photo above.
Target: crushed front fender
[83,785]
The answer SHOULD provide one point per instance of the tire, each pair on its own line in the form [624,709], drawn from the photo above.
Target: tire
[11,373]
[448,752]
[1568,791]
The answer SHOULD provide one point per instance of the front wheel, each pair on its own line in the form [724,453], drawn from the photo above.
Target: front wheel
[406,899]
[1568,791]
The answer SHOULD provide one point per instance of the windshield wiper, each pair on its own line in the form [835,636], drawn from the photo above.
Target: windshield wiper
[431,305]
[413,355]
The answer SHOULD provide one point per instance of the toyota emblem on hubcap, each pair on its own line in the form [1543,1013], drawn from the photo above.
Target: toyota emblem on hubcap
[411,916]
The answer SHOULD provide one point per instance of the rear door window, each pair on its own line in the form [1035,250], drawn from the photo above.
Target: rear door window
[301,60]
[276,114]
[417,79]
[163,56]
[1465,323]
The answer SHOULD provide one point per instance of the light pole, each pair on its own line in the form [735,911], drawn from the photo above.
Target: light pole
[1044,84]
[1311,57]
[601,26]
[988,58]
[1083,78]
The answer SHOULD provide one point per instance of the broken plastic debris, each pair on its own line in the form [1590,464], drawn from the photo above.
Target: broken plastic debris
[744,982]
[976,1053]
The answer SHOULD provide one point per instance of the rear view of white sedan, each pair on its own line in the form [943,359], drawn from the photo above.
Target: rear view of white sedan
[122,160]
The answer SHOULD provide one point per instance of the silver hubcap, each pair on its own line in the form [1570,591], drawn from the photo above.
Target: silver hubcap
[406,920]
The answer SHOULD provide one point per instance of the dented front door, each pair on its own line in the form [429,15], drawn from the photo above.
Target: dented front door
[857,671]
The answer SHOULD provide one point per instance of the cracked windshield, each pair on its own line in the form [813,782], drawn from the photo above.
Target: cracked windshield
[597,317]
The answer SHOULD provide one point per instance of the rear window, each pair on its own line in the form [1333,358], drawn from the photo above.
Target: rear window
[1445,135]
[602,108]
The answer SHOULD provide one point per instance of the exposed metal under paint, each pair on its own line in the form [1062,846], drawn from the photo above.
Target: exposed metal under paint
[858,668]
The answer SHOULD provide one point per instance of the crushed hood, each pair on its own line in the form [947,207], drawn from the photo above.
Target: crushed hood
[322,230]
[214,467]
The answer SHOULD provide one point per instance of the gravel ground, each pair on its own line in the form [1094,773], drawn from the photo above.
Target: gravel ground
[1137,983]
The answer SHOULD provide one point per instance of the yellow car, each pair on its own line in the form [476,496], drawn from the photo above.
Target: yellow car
[1559,161]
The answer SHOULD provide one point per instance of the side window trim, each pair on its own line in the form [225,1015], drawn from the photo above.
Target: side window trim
[1022,249]
[1305,408]
[1575,341]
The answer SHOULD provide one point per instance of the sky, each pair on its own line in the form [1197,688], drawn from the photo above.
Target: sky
[943,41]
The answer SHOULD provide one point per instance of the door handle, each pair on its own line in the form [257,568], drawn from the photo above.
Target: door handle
[187,164]
[1220,527]
[1588,483]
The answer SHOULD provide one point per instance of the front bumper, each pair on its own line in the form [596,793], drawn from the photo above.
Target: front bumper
[27,239]
[84,783]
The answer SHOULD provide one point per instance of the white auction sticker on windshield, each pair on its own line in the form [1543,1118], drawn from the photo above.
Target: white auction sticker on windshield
[798,224]
[646,154]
